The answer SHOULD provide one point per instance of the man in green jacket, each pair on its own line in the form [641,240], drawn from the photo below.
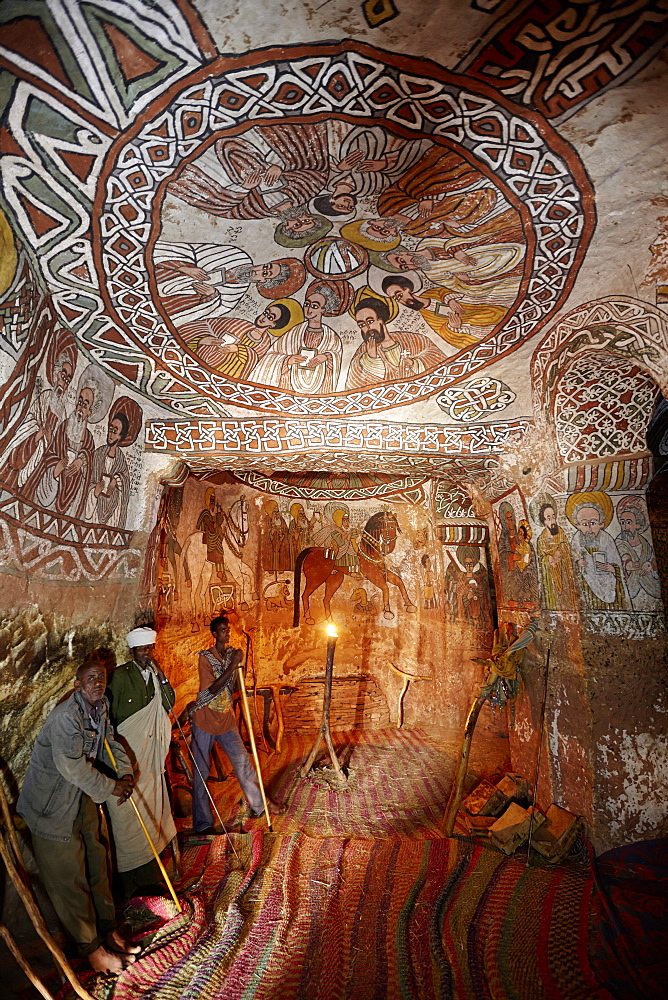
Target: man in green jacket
[141,697]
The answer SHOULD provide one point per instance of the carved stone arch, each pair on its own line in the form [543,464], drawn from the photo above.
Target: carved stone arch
[602,404]
[620,325]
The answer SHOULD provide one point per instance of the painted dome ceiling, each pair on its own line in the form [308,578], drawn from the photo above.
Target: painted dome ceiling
[321,250]
[245,226]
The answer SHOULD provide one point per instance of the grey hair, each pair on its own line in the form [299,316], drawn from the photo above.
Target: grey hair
[332,300]
[283,275]
[590,503]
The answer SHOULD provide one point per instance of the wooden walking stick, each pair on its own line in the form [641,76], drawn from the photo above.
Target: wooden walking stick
[256,759]
[19,876]
[6,935]
[146,833]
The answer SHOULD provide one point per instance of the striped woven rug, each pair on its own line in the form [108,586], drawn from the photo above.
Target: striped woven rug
[341,919]
[358,896]
[398,785]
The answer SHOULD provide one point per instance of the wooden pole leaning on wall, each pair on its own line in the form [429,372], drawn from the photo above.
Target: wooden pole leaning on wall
[251,736]
[324,732]
[13,861]
[503,666]
[457,791]
[142,824]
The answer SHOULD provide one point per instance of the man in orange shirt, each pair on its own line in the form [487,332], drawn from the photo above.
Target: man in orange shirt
[213,721]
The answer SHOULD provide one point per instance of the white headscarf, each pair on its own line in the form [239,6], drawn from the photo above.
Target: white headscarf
[141,637]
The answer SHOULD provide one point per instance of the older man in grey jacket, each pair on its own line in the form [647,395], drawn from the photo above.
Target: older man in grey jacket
[57,801]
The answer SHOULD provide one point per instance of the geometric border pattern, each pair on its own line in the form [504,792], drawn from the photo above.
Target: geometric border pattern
[216,440]
[396,488]
[618,324]
[500,140]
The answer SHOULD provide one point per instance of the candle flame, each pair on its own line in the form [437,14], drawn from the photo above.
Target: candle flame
[331,632]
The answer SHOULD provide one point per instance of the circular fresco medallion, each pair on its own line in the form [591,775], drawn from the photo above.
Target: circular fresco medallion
[277,240]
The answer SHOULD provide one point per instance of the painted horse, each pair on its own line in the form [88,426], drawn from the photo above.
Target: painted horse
[377,540]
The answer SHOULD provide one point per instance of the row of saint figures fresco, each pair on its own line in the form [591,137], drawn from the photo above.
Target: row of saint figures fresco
[400,244]
[67,453]
[592,568]
[299,555]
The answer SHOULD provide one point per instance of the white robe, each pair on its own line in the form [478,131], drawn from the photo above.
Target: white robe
[148,733]
[269,369]
[376,143]
[215,259]
[595,551]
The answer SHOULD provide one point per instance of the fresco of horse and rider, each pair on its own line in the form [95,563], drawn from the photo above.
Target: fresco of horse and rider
[291,562]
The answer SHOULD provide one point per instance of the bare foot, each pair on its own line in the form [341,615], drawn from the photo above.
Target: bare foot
[117,943]
[107,962]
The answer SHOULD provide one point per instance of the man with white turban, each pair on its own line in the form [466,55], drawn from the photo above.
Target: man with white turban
[141,697]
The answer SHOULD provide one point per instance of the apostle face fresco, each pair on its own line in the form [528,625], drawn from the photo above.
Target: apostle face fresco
[116,431]
[548,517]
[272,317]
[256,272]
[298,224]
[629,525]
[63,377]
[382,229]
[404,260]
[314,306]
[589,521]
[401,289]
[371,326]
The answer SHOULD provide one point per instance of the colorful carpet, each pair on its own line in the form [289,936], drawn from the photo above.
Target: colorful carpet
[629,932]
[398,784]
[342,919]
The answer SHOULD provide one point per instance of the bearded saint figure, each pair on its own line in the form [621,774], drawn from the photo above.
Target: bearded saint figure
[110,476]
[61,480]
[279,170]
[637,554]
[385,355]
[557,582]
[35,431]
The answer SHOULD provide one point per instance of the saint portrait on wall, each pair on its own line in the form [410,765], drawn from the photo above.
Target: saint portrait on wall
[110,476]
[557,582]
[599,570]
[46,411]
[467,587]
[636,549]
[517,559]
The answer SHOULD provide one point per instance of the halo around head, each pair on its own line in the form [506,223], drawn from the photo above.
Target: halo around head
[296,316]
[102,387]
[132,412]
[366,292]
[293,276]
[542,500]
[589,498]
[356,233]
[283,237]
